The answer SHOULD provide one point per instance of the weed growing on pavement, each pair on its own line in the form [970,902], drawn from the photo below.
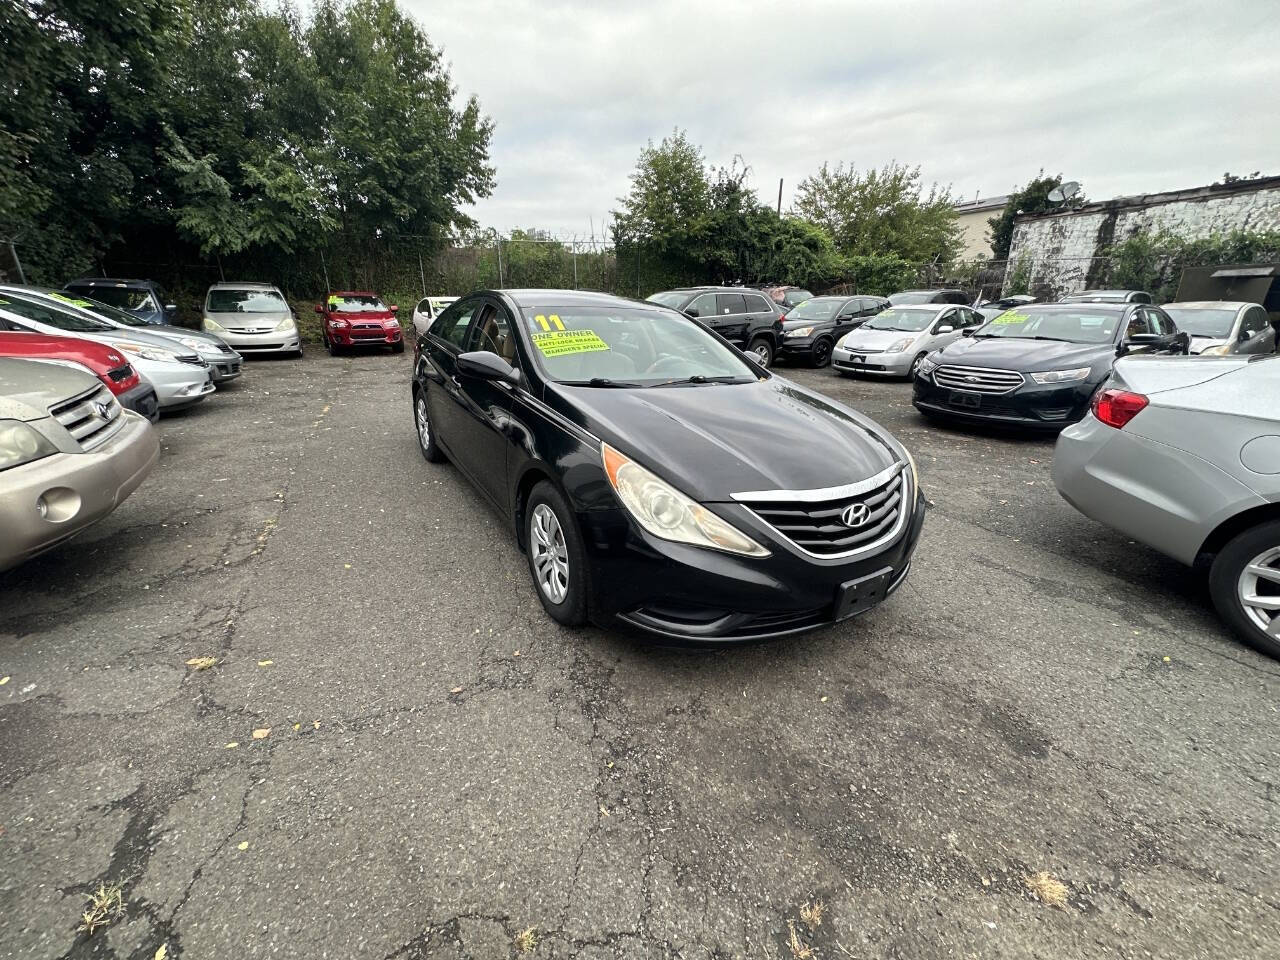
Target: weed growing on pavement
[526,940]
[811,913]
[1047,888]
[106,904]
[799,949]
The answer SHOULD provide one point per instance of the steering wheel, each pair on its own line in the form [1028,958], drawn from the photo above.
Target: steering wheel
[667,365]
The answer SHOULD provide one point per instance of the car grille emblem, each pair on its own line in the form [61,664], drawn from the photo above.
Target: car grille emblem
[104,410]
[855,514]
[970,379]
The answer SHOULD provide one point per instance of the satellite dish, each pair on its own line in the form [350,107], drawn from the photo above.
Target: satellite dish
[1065,192]
[1056,195]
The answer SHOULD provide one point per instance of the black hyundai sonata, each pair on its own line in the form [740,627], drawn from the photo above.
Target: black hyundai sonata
[658,478]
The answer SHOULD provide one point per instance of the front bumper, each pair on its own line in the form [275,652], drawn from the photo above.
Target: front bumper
[884,364]
[142,399]
[177,384]
[369,335]
[78,488]
[269,341]
[223,366]
[798,348]
[1031,406]
[691,596]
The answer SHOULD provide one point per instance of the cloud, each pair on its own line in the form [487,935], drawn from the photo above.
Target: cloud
[1125,97]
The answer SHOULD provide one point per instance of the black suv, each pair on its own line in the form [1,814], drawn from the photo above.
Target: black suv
[142,298]
[746,318]
[904,297]
[812,328]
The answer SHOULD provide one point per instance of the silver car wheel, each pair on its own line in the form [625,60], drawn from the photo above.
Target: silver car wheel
[550,555]
[1262,609]
[424,423]
[761,350]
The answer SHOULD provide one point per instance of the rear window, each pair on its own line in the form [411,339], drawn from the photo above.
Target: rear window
[792,297]
[672,298]
[245,301]
[123,297]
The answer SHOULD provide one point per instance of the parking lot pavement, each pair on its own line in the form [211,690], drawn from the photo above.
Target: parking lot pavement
[444,768]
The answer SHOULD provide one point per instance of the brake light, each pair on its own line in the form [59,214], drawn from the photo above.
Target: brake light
[1115,408]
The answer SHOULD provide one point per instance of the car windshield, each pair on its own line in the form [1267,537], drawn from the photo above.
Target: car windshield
[1072,326]
[102,309]
[792,297]
[815,310]
[126,298]
[906,320]
[356,303]
[245,301]
[670,298]
[912,296]
[1203,323]
[624,346]
[52,316]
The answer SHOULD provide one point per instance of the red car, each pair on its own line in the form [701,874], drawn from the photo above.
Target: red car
[356,318]
[106,363]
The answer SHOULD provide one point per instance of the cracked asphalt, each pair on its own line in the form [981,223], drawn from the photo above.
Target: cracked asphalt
[446,768]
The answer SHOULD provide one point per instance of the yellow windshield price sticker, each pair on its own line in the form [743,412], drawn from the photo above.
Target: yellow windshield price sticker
[1011,316]
[334,301]
[549,323]
[71,300]
[563,343]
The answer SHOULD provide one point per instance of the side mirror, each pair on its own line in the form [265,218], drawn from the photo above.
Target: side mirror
[487,366]
[170,308]
[1244,335]
[968,331]
[1143,340]
[395,308]
[319,309]
[946,328]
[755,358]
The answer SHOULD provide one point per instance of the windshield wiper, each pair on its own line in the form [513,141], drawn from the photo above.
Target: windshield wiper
[603,382]
[700,378]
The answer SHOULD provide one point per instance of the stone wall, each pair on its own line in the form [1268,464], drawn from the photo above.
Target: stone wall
[1065,249]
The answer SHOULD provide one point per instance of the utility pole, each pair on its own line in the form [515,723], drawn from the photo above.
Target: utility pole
[422,273]
[324,268]
[498,238]
[779,196]
[13,252]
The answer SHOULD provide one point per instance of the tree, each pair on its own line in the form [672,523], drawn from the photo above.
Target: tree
[667,206]
[1032,198]
[885,211]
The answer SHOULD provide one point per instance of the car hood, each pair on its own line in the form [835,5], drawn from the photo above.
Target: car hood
[134,335]
[864,339]
[1150,375]
[28,388]
[716,440]
[1010,353]
[171,332]
[249,321]
[1200,344]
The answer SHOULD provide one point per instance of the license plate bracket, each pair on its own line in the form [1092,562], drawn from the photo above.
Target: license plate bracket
[855,596]
[961,398]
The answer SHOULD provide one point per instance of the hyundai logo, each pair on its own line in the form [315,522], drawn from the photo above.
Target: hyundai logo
[855,514]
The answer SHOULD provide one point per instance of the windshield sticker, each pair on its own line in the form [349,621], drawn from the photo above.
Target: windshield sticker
[1011,316]
[71,300]
[552,322]
[334,301]
[562,343]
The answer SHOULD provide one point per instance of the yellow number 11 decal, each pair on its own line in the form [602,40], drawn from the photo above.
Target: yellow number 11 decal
[555,323]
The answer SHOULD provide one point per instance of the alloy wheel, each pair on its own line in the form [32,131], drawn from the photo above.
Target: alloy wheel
[550,555]
[424,422]
[1258,590]
[762,351]
[821,353]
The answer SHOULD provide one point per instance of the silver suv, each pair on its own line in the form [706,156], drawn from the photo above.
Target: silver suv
[252,317]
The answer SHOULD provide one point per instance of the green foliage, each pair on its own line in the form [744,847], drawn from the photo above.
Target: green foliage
[1154,260]
[231,127]
[1019,282]
[881,274]
[885,211]
[1032,198]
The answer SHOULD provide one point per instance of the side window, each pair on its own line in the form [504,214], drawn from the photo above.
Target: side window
[424,307]
[451,326]
[950,318]
[1160,322]
[755,303]
[491,333]
[1255,321]
[703,306]
[727,303]
[848,310]
[1138,324]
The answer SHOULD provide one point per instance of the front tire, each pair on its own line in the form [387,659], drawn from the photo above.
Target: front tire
[330,347]
[763,349]
[821,354]
[557,559]
[426,434]
[398,347]
[1244,582]
[915,367]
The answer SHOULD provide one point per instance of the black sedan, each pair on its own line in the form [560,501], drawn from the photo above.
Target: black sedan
[1038,365]
[655,476]
[811,329]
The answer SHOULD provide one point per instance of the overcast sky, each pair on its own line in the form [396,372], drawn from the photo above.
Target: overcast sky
[1124,97]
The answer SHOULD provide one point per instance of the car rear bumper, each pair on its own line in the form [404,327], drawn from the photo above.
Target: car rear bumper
[884,364]
[690,596]
[1031,406]
[78,489]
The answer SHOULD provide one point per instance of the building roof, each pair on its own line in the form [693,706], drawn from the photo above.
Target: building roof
[1168,196]
[980,205]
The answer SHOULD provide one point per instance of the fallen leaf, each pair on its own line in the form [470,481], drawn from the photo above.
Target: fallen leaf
[201,663]
[986,882]
[346,566]
[297,726]
[242,845]
[232,745]
[162,952]
[456,690]
[261,733]
[1166,660]
[605,812]
[824,699]
[517,653]
[3,681]
[265,663]
[315,724]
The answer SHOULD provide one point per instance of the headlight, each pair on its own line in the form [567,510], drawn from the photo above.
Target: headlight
[213,326]
[146,351]
[393,322]
[915,474]
[901,345]
[927,367]
[667,513]
[800,332]
[19,444]
[197,345]
[285,324]
[338,324]
[1221,350]
[1061,376]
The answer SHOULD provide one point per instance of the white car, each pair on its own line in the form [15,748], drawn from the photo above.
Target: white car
[1219,328]
[893,342]
[425,313]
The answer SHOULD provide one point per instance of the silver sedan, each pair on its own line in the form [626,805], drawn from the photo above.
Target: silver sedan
[1219,328]
[1183,454]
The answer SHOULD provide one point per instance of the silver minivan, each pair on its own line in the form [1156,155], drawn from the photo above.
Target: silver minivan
[1220,328]
[252,318]
[894,342]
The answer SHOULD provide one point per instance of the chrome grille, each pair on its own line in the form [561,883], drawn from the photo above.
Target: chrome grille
[91,417]
[813,519]
[194,359]
[863,350]
[977,379]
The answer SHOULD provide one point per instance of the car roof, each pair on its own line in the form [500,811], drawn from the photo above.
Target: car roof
[241,285]
[352,293]
[933,290]
[1092,305]
[532,297]
[925,306]
[1211,304]
[110,282]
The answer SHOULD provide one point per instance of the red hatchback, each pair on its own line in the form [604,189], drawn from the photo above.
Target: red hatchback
[357,318]
[106,363]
